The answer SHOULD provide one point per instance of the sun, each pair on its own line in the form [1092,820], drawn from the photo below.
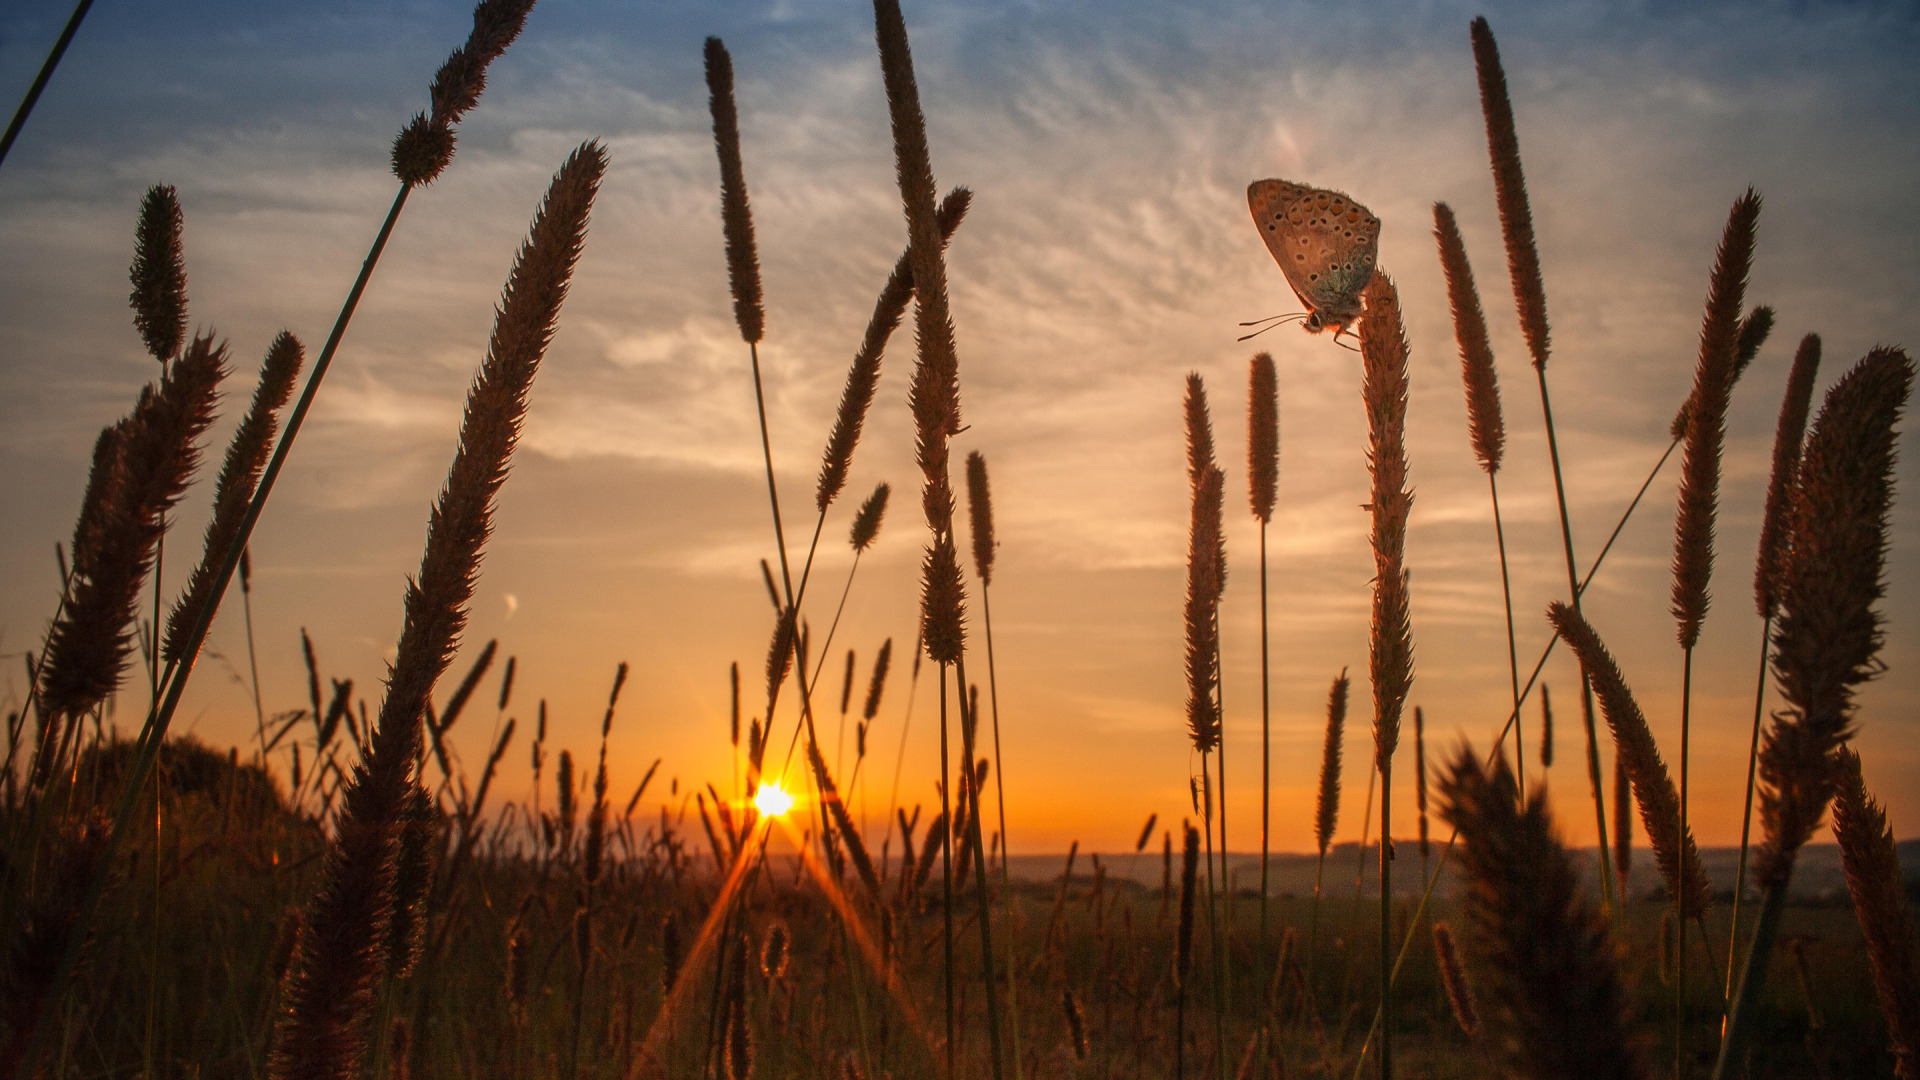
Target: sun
[771,801]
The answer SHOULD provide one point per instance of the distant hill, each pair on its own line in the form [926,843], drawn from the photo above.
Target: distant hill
[1817,876]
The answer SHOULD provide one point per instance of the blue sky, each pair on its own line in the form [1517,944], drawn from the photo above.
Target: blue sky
[1109,253]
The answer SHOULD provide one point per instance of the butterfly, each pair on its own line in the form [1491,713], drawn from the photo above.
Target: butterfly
[1326,244]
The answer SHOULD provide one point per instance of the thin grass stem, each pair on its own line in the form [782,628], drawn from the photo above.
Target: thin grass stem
[1000,800]
[1746,814]
[970,726]
[946,874]
[1586,688]
[1266,744]
[1386,919]
[1359,883]
[253,662]
[1513,656]
[1680,895]
[40,81]
[1213,924]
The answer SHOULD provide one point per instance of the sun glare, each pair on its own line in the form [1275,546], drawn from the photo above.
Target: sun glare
[771,801]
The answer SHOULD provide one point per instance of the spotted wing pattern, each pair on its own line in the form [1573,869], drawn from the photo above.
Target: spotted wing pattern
[1325,242]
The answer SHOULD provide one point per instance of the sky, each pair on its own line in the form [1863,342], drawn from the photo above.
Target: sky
[1108,254]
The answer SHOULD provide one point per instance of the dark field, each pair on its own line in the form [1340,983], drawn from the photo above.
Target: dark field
[201,935]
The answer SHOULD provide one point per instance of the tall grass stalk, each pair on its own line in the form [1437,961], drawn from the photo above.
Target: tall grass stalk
[980,517]
[866,527]
[743,275]
[906,728]
[1183,947]
[1263,486]
[743,269]
[1544,972]
[856,398]
[983,915]
[253,661]
[153,455]
[322,1035]
[1827,640]
[1872,866]
[1486,426]
[1214,928]
[863,378]
[591,869]
[1699,500]
[934,400]
[40,80]
[1420,785]
[1523,263]
[1788,435]
[1206,581]
[239,475]
[1359,878]
[1384,352]
[1674,849]
[1327,805]
[946,882]
[159,302]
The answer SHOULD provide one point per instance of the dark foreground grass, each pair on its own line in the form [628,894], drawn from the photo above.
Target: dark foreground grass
[234,863]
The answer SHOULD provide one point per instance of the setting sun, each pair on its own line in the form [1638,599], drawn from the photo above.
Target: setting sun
[772,801]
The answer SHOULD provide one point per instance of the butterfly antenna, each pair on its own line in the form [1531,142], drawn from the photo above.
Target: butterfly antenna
[1276,320]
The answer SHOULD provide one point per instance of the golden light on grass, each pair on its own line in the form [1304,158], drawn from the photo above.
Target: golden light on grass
[772,801]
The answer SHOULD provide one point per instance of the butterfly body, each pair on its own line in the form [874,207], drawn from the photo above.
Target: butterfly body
[1325,242]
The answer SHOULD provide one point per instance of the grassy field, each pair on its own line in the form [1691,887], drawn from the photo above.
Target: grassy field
[498,992]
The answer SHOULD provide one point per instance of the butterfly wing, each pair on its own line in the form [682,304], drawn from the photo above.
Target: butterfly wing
[1268,201]
[1325,242]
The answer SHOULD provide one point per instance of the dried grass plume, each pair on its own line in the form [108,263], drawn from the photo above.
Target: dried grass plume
[140,472]
[322,1034]
[1879,898]
[863,375]
[1510,192]
[1787,437]
[159,274]
[1706,429]
[980,515]
[1551,1002]
[246,457]
[736,217]
[1263,436]
[1828,635]
[1678,857]
[1485,425]
[1327,807]
[1384,352]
